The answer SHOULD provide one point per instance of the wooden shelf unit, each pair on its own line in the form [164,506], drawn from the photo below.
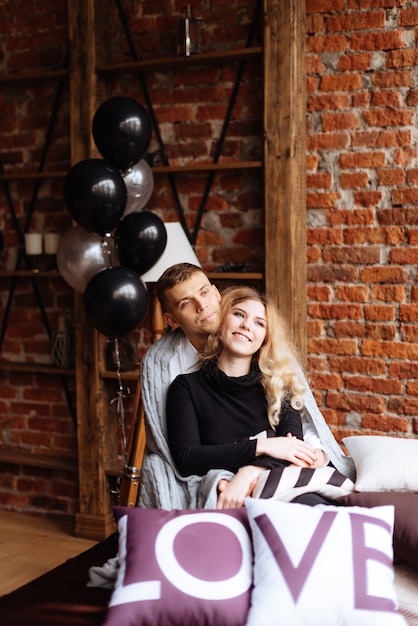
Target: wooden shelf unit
[30,273]
[35,76]
[34,368]
[283,169]
[189,168]
[47,461]
[180,61]
[197,167]
[132,375]
[30,175]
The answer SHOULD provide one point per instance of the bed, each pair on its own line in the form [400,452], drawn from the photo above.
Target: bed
[62,597]
[162,551]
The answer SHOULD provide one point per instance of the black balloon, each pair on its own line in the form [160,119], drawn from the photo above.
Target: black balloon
[122,131]
[95,195]
[140,240]
[116,301]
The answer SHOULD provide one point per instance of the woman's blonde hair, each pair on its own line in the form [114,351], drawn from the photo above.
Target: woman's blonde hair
[277,358]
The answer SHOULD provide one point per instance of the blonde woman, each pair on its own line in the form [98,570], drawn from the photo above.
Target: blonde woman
[243,410]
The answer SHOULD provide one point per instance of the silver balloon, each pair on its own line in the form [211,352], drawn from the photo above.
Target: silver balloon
[81,255]
[139,181]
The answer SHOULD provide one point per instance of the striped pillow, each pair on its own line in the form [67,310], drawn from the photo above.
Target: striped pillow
[285,483]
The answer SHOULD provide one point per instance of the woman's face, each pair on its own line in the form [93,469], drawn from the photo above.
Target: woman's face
[244,328]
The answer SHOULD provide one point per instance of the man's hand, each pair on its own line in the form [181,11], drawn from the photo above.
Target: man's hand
[233,493]
[319,459]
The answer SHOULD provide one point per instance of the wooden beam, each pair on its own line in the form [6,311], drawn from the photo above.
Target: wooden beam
[285,161]
[94,518]
[81,40]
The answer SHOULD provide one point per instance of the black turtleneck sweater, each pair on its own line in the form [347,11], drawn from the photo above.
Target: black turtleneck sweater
[211,417]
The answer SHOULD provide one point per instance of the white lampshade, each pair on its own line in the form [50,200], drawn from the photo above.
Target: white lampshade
[178,250]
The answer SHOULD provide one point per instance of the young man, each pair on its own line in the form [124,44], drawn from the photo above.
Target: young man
[191,307]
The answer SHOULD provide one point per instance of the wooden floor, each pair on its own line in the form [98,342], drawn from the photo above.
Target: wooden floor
[32,545]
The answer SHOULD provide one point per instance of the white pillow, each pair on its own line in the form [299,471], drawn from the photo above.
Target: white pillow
[322,565]
[384,463]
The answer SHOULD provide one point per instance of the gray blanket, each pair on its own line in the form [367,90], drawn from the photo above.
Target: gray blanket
[161,485]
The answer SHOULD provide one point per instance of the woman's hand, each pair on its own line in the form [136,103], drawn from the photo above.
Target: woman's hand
[233,493]
[288,448]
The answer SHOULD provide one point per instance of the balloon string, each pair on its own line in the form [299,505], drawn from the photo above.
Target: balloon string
[106,249]
[118,401]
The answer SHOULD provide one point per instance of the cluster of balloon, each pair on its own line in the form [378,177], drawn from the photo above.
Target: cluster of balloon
[106,197]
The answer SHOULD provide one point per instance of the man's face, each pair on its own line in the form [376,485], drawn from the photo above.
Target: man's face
[193,305]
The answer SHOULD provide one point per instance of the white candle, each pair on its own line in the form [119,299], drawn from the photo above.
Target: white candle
[33,243]
[51,241]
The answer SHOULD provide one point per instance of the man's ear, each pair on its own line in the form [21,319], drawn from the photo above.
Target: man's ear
[217,292]
[169,319]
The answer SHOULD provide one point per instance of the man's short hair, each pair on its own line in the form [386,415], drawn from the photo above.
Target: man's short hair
[172,276]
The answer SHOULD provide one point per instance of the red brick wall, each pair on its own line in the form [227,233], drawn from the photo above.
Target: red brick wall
[362,213]
[34,414]
[362,205]
[190,107]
